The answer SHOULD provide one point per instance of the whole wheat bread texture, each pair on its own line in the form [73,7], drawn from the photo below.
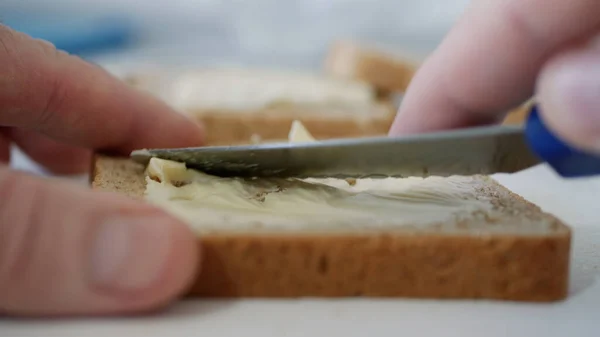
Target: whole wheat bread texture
[512,252]
[239,104]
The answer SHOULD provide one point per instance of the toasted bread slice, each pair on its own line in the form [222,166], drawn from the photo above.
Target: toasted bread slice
[388,73]
[237,104]
[456,237]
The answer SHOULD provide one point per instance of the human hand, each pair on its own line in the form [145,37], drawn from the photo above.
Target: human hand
[65,250]
[494,58]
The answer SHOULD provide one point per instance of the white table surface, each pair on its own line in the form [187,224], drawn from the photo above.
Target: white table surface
[575,202]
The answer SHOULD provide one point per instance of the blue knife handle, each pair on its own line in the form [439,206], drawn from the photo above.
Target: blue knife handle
[567,161]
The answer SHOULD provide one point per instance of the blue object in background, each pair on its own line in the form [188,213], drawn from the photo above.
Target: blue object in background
[564,159]
[76,33]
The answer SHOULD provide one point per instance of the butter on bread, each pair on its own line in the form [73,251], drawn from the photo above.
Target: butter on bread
[456,237]
[236,104]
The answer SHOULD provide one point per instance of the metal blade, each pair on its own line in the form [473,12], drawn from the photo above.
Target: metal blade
[485,150]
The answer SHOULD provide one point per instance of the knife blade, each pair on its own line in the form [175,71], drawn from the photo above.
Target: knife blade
[483,150]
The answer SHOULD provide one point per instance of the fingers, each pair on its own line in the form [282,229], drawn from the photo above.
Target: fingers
[105,255]
[4,147]
[490,60]
[70,100]
[569,96]
[57,157]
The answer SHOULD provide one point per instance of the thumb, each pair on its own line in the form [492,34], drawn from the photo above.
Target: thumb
[68,251]
[568,92]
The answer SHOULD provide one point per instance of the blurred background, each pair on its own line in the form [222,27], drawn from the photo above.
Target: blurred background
[281,33]
[127,36]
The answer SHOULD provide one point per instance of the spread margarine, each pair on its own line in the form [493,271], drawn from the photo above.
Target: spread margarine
[210,203]
[204,200]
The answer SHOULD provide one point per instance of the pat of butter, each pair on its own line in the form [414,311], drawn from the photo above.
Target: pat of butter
[299,133]
[166,170]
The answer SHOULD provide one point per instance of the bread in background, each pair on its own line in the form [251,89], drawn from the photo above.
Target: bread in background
[237,104]
[389,73]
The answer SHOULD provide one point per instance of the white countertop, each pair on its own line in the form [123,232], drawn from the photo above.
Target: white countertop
[573,201]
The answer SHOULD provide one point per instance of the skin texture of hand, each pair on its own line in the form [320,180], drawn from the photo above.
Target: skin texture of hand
[499,54]
[65,250]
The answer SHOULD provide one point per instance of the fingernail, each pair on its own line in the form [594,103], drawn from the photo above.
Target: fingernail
[573,101]
[129,254]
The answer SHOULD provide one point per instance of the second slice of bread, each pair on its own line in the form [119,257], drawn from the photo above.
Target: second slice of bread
[236,104]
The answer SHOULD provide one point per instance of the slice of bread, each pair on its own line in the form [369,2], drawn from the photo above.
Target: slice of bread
[237,104]
[456,237]
[388,72]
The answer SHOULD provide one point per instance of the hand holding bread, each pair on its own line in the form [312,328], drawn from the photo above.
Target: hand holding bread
[65,249]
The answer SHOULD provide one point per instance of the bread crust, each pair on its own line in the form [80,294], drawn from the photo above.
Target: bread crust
[224,127]
[387,73]
[373,264]
[326,120]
